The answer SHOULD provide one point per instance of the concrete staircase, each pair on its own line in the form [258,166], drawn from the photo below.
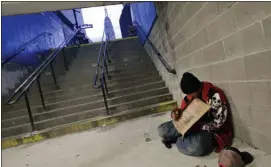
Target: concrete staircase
[135,89]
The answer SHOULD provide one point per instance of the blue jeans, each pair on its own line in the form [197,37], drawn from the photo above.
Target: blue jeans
[193,143]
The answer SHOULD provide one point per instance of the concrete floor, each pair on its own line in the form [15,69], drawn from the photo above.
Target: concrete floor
[119,145]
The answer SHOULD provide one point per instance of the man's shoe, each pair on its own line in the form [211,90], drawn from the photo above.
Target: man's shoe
[167,144]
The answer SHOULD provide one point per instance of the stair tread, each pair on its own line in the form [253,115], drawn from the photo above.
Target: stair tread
[91,91]
[90,79]
[85,120]
[58,99]
[83,104]
[91,85]
[75,114]
[135,85]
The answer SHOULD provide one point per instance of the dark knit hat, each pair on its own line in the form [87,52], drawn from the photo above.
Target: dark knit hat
[189,83]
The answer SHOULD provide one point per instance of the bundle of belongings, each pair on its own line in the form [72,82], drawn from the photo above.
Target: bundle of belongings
[232,157]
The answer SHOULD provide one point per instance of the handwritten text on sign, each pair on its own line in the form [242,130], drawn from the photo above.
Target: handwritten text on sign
[194,111]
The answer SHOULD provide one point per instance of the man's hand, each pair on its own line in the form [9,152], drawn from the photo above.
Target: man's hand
[176,114]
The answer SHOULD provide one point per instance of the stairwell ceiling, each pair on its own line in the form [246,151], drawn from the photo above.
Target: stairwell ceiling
[12,8]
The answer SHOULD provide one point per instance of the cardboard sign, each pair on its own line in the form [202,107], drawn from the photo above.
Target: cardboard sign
[193,112]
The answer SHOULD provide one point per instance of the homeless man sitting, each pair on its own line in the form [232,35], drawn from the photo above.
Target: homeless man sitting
[212,132]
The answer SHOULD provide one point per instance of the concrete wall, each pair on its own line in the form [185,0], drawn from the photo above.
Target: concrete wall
[11,75]
[26,7]
[228,44]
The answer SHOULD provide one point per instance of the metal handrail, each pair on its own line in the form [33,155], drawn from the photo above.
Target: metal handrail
[24,87]
[23,47]
[103,53]
[33,76]
[98,64]
[160,57]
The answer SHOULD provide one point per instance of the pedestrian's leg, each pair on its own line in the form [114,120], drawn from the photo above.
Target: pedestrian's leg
[195,144]
[168,133]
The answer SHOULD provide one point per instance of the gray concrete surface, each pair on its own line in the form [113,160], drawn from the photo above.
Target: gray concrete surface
[228,44]
[12,8]
[118,145]
[11,76]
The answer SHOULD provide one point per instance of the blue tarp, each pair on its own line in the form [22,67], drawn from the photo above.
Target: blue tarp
[18,30]
[125,21]
[144,15]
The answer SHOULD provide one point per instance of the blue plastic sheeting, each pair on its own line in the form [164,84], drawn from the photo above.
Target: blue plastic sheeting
[144,15]
[125,21]
[19,29]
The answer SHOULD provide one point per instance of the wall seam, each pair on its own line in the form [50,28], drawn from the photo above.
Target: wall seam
[251,105]
[244,67]
[169,11]
[263,34]
[207,24]
[223,45]
[242,81]
[226,60]
[217,40]
[172,24]
[192,17]
[179,14]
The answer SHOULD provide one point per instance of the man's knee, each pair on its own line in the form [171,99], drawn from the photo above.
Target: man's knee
[167,130]
[199,144]
[162,131]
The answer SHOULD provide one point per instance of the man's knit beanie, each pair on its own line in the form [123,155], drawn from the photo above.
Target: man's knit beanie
[189,83]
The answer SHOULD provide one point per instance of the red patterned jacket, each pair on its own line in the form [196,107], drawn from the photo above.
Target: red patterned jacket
[219,117]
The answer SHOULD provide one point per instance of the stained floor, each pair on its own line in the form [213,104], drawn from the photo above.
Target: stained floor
[123,144]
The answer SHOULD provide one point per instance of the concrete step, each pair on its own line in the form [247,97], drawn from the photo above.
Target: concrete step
[86,86]
[59,115]
[51,92]
[69,118]
[77,105]
[35,102]
[78,66]
[90,74]
[111,67]
[81,55]
[78,81]
[84,124]
[115,59]
[89,87]
[135,89]
[126,52]
[84,76]
[73,75]
[16,130]
[77,91]
[114,67]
